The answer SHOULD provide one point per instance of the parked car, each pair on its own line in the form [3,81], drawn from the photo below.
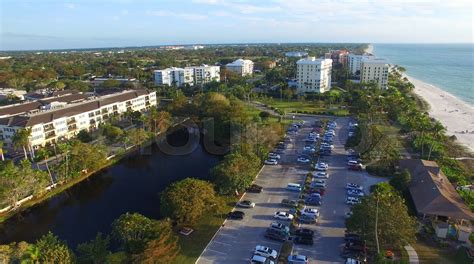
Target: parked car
[257,259]
[246,204]
[348,214]
[353,163]
[313,201]
[274,156]
[303,160]
[265,252]
[320,175]
[310,211]
[352,200]
[280,227]
[320,168]
[303,240]
[289,203]
[236,215]
[283,216]
[254,188]
[354,186]
[297,259]
[307,219]
[275,235]
[271,162]
[318,185]
[305,232]
[356,193]
[309,149]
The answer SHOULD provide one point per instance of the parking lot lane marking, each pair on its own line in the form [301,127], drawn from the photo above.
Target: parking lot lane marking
[269,199]
[225,244]
[215,251]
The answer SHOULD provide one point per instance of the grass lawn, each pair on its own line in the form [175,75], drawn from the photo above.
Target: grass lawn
[306,106]
[433,255]
[193,245]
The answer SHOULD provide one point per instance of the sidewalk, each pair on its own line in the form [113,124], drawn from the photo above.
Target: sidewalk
[412,255]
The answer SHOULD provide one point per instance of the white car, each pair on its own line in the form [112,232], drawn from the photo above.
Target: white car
[265,252]
[352,200]
[246,204]
[303,160]
[297,259]
[310,211]
[314,134]
[323,164]
[283,216]
[326,145]
[309,149]
[319,181]
[271,162]
[354,186]
[272,155]
[320,175]
[353,163]
[257,259]
[320,168]
[352,192]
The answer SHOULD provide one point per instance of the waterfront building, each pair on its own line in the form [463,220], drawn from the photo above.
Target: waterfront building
[241,67]
[354,62]
[61,123]
[374,70]
[313,75]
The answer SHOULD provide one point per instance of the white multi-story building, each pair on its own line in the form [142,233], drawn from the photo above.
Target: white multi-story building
[354,62]
[375,70]
[174,76]
[53,125]
[241,67]
[204,74]
[313,75]
[194,75]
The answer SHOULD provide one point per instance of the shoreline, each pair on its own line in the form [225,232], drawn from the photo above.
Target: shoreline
[455,114]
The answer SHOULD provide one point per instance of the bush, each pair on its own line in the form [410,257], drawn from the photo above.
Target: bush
[285,251]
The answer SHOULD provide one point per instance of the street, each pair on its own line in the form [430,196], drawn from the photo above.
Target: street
[236,239]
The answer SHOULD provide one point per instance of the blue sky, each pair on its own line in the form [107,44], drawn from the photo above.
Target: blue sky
[53,24]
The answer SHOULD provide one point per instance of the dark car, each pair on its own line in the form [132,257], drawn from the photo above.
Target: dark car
[304,232]
[254,188]
[312,201]
[238,215]
[303,240]
[276,235]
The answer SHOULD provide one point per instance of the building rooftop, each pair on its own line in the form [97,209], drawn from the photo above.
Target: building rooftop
[375,60]
[239,62]
[48,116]
[432,192]
[313,60]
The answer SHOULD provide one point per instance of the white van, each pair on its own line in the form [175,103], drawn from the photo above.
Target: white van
[294,187]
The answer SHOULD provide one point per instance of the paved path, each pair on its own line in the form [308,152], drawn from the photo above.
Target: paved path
[412,255]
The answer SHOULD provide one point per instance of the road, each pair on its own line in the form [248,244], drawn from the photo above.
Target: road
[235,240]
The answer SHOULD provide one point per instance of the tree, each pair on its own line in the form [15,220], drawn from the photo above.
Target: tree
[21,139]
[135,232]
[95,251]
[137,136]
[111,83]
[163,249]
[400,181]
[53,250]
[58,85]
[187,200]
[264,115]
[84,136]
[437,136]
[236,172]
[112,133]
[386,210]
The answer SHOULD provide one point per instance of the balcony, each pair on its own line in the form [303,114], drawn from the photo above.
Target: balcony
[50,135]
[47,128]
[104,111]
[128,103]
[72,127]
[71,121]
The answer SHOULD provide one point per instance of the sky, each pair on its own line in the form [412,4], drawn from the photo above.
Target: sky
[55,24]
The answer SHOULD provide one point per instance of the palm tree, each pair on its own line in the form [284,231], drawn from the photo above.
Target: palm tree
[423,125]
[1,151]
[32,255]
[437,133]
[21,139]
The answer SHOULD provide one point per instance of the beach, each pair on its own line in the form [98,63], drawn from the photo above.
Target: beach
[456,115]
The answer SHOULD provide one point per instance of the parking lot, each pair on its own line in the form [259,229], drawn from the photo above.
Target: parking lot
[236,239]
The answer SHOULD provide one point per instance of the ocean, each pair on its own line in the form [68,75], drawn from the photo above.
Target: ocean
[449,67]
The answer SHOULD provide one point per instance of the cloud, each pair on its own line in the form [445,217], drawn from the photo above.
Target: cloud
[70,5]
[187,16]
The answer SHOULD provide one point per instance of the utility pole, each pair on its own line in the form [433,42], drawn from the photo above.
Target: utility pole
[376,224]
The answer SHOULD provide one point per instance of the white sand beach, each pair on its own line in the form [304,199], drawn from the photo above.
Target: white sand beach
[369,49]
[456,115]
